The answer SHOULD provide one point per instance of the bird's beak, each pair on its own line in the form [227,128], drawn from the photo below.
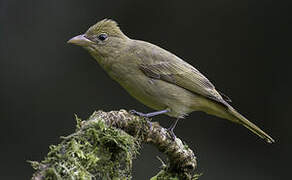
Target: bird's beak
[80,40]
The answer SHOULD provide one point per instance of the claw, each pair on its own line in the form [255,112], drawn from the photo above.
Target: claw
[171,133]
[137,113]
[149,124]
[148,115]
[171,128]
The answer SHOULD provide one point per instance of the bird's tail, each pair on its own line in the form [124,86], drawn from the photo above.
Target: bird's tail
[237,117]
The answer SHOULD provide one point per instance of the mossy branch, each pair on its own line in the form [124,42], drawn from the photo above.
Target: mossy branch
[104,146]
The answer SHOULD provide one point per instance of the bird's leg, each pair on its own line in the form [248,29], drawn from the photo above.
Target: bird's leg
[148,115]
[171,128]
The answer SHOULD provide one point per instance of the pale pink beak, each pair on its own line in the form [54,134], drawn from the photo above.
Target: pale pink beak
[80,40]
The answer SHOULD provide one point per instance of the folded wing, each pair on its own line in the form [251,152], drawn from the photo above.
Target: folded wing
[184,75]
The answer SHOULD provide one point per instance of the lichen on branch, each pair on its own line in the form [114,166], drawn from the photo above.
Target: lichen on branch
[104,146]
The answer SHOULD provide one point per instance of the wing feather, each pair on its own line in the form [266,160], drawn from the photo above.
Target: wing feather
[183,75]
[158,63]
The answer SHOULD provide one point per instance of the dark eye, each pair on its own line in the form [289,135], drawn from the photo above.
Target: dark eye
[102,37]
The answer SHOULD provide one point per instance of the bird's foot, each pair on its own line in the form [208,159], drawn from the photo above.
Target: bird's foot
[142,115]
[171,133]
[148,115]
[138,113]
[149,124]
[171,128]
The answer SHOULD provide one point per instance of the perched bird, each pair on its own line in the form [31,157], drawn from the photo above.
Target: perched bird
[156,77]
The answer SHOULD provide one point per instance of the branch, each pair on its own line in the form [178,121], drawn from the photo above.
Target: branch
[104,145]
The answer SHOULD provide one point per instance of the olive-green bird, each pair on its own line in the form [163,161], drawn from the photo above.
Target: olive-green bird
[156,77]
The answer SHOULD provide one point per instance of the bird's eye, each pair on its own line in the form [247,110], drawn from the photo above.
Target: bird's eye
[102,36]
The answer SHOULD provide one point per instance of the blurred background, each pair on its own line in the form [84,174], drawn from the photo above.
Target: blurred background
[242,46]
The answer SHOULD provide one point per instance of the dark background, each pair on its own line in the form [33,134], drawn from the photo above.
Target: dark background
[242,46]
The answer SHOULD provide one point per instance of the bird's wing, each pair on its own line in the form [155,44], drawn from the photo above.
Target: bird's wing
[184,75]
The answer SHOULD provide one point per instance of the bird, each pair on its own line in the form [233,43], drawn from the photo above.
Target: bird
[157,78]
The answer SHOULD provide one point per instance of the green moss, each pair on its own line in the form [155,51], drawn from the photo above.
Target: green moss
[165,175]
[95,150]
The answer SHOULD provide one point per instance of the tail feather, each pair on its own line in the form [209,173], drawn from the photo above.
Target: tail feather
[249,125]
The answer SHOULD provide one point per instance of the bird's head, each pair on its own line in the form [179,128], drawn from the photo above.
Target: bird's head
[102,39]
